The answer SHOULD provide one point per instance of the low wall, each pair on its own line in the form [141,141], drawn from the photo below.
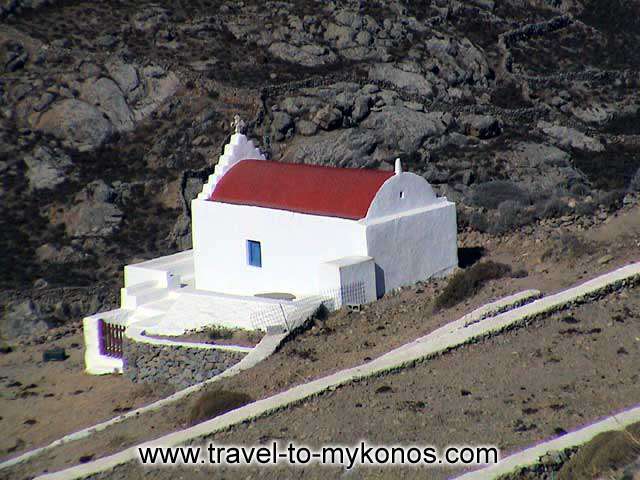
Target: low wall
[95,362]
[176,365]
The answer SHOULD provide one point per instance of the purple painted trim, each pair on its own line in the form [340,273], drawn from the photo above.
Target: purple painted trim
[101,348]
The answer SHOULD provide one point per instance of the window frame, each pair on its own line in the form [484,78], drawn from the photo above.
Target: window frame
[251,261]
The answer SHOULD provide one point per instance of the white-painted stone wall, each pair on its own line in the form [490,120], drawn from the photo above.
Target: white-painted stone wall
[95,362]
[239,148]
[413,245]
[293,246]
[401,193]
[349,272]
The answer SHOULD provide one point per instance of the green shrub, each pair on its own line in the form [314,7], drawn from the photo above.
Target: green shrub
[214,403]
[465,283]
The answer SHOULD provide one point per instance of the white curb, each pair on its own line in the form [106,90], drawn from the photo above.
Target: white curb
[398,358]
[137,334]
[531,456]
[265,348]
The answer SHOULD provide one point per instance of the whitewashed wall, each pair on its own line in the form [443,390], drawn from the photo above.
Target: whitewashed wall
[293,246]
[401,193]
[414,245]
[347,272]
[95,362]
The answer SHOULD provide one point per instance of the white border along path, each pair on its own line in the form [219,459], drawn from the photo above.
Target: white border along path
[531,456]
[403,356]
[265,348]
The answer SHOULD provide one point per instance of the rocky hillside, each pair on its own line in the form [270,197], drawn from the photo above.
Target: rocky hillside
[112,113]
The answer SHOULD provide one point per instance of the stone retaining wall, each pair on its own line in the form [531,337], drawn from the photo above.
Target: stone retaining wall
[179,365]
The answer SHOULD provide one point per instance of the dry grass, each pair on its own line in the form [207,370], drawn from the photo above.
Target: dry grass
[465,283]
[568,247]
[211,404]
[217,333]
[604,456]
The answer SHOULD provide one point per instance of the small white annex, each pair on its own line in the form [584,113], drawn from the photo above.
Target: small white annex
[277,237]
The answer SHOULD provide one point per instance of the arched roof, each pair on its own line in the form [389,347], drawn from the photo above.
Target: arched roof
[311,189]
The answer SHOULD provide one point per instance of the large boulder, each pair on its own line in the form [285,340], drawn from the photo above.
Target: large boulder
[311,55]
[328,118]
[352,147]
[53,254]
[95,214]
[93,220]
[281,125]
[528,154]
[399,128]
[410,81]
[125,75]
[46,169]
[480,126]
[594,114]
[340,35]
[77,122]
[457,60]
[105,95]
[300,104]
[24,318]
[570,137]
[361,108]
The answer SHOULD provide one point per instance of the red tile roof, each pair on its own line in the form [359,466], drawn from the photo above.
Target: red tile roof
[317,190]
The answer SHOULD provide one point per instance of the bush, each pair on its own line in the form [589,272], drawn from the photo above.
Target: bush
[605,453]
[212,404]
[579,189]
[478,221]
[465,283]
[567,247]
[586,208]
[492,194]
[554,207]
[612,200]
[510,215]
[216,333]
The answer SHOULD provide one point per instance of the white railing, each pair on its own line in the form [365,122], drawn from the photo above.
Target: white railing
[290,315]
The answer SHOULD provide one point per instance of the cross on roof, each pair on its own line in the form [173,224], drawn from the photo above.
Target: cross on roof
[238,124]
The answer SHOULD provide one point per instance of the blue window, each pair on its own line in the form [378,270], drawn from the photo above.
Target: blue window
[254,253]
